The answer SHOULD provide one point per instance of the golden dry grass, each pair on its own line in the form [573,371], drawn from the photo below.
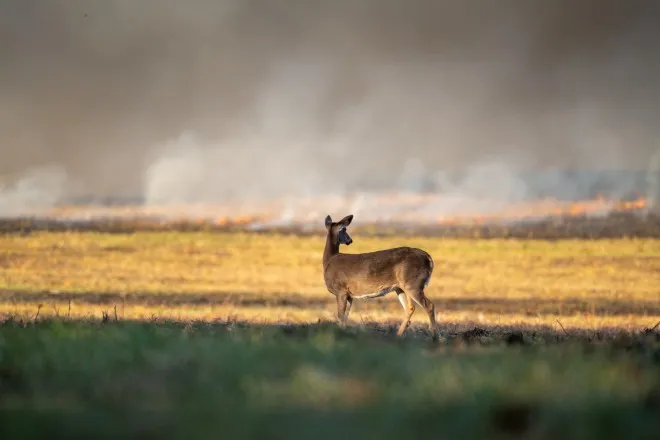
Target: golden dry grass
[275,278]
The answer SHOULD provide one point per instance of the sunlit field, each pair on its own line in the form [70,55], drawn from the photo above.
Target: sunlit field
[180,334]
[277,278]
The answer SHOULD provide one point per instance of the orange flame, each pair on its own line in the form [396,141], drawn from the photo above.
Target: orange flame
[405,208]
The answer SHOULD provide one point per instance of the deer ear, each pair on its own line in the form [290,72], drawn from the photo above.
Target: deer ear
[346,220]
[328,222]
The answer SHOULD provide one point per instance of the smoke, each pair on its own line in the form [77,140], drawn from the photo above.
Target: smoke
[238,103]
[37,188]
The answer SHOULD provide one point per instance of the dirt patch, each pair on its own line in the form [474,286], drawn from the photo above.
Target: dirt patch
[119,249]
[513,418]
[10,260]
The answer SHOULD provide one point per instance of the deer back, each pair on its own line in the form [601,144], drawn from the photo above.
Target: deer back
[403,267]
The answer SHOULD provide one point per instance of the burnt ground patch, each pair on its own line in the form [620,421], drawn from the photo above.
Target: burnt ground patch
[614,225]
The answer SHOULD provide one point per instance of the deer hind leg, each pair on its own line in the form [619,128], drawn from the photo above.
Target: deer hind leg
[418,296]
[408,310]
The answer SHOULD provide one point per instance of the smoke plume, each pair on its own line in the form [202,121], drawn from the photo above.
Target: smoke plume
[240,102]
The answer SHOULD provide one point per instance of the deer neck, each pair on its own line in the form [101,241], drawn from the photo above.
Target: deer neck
[331,249]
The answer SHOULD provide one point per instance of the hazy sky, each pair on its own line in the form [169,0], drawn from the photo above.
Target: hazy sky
[209,100]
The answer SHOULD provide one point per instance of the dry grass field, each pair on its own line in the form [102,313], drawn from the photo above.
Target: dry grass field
[277,278]
[180,334]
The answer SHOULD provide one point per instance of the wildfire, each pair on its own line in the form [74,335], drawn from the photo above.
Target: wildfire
[371,208]
[545,209]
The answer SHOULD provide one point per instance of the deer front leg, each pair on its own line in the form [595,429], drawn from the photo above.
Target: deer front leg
[342,301]
[349,304]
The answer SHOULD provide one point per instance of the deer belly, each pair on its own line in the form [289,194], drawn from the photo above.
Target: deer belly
[377,294]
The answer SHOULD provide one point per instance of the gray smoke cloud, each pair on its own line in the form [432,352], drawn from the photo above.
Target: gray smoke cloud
[238,102]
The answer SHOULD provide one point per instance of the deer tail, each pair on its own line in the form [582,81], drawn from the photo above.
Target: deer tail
[430,270]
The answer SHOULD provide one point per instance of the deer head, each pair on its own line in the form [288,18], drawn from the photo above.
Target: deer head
[337,230]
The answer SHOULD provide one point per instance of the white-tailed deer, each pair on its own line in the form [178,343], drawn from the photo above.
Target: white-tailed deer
[404,270]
